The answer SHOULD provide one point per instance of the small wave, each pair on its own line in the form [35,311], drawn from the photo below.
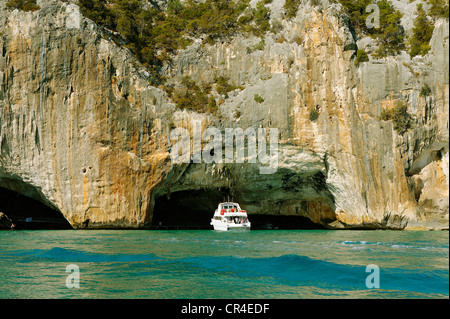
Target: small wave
[295,270]
[350,242]
[401,246]
[288,269]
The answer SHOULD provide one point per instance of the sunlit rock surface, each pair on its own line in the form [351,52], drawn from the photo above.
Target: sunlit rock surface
[83,131]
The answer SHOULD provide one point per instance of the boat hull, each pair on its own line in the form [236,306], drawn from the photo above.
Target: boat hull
[230,227]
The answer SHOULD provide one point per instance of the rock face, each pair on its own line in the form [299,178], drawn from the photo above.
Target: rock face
[83,131]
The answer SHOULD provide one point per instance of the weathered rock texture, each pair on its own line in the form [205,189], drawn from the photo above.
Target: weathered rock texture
[83,131]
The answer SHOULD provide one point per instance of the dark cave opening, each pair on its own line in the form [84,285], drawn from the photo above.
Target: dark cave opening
[193,209]
[190,209]
[28,213]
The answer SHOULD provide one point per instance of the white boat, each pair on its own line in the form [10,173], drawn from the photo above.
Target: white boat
[230,216]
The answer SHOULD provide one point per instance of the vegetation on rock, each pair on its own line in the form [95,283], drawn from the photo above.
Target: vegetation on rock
[313,115]
[361,56]
[439,8]
[24,5]
[389,35]
[193,97]
[223,87]
[399,115]
[421,33]
[291,8]
[154,33]
[258,99]
[425,91]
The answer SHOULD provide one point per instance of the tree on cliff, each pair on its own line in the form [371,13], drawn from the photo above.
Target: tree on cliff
[390,34]
[154,33]
[439,8]
[422,33]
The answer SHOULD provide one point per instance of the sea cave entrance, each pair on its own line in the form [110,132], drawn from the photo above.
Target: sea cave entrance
[186,209]
[28,213]
[193,209]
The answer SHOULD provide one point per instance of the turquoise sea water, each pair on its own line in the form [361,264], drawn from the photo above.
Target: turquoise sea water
[209,264]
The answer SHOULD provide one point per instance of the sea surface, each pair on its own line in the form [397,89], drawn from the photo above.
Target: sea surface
[267,264]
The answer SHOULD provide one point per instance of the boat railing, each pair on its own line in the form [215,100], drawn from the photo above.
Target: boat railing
[231,210]
[237,220]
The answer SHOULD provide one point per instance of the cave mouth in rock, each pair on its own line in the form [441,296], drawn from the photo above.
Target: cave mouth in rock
[193,209]
[28,213]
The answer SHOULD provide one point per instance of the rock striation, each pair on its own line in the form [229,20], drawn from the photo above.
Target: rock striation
[83,131]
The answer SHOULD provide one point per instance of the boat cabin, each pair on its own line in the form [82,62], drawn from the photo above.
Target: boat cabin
[230,215]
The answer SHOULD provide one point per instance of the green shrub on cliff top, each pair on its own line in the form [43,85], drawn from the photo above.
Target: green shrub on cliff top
[96,10]
[291,8]
[356,11]
[421,33]
[390,34]
[262,16]
[438,8]
[153,33]
[24,5]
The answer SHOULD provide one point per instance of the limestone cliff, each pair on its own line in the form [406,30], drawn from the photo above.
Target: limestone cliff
[83,130]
